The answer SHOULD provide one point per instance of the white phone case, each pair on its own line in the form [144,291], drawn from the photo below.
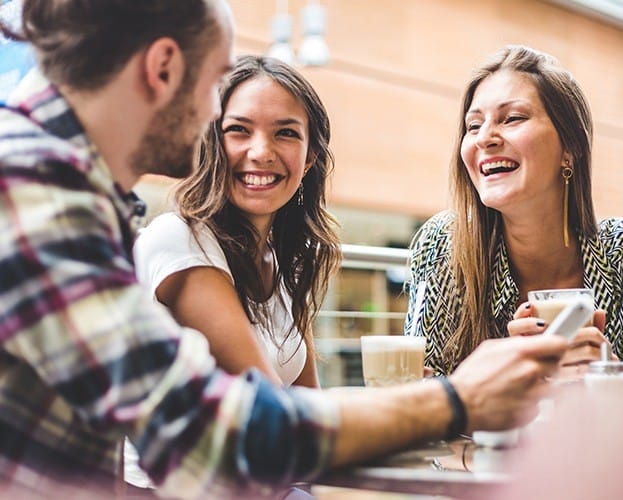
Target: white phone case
[570,320]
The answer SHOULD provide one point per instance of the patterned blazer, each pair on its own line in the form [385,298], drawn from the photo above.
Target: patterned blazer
[438,304]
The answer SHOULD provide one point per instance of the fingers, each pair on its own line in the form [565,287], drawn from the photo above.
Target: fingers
[525,326]
[517,403]
[512,357]
[523,311]
[582,354]
[549,368]
[571,372]
[535,371]
[523,323]
[584,347]
[531,406]
[503,379]
[588,335]
[599,319]
[541,347]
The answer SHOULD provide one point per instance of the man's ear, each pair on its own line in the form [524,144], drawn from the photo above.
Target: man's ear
[164,68]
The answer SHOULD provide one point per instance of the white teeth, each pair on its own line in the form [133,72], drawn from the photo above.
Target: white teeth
[258,180]
[501,165]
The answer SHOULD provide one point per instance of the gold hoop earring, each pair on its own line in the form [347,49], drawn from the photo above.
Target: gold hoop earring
[299,198]
[567,173]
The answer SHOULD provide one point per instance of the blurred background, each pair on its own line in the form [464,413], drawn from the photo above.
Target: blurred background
[15,58]
[391,75]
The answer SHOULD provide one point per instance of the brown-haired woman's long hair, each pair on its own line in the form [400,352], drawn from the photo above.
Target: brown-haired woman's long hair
[84,43]
[303,238]
[478,229]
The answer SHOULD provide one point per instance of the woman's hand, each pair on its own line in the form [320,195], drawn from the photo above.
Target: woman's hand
[523,323]
[584,347]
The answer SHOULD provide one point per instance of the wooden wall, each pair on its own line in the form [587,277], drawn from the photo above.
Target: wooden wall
[397,73]
[396,77]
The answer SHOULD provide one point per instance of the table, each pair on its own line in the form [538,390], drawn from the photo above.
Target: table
[458,469]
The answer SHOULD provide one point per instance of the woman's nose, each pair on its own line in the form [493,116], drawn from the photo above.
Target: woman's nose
[488,136]
[261,149]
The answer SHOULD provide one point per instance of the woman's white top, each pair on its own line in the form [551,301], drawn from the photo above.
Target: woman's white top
[167,246]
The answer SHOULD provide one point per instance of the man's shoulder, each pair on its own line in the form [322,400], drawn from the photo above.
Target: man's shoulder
[24,143]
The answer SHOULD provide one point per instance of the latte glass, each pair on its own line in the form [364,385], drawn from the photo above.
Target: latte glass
[392,359]
[549,303]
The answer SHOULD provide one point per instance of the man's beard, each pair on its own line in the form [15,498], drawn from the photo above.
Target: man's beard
[165,148]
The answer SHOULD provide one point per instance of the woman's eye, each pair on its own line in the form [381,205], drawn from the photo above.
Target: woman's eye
[233,128]
[472,126]
[288,132]
[514,118]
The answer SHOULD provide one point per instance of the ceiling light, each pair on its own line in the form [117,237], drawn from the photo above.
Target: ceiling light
[314,50]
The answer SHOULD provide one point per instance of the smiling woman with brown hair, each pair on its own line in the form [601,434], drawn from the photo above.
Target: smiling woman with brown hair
[247,256]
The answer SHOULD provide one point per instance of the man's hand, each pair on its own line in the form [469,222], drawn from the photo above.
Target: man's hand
[502,381]
[500,384]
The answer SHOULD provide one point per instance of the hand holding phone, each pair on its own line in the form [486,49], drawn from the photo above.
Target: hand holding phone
[570,320]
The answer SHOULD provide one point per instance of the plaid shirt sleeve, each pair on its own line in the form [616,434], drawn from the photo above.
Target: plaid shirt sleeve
[73,312]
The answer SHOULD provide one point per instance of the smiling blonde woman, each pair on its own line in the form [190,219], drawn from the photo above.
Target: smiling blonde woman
[522,219]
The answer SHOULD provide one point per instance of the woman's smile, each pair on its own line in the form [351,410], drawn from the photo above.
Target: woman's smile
[254,180]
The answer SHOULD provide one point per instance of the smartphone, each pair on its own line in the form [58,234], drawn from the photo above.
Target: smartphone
[570,320]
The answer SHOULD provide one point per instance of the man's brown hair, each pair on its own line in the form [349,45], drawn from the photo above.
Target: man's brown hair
[84,43]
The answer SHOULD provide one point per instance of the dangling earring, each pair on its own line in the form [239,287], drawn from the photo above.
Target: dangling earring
[567,173]
[299,198]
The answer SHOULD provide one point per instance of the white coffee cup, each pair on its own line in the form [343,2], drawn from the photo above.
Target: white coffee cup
[605,378]
[392,359]
[549,303]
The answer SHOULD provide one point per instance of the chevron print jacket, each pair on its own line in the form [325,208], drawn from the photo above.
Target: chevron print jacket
[438,307]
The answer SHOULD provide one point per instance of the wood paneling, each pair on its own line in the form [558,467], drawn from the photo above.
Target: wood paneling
[397,74]
[398,70]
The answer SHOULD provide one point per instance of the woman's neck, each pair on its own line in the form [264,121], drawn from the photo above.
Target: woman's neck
[538,256]
[265,264]
[265,256]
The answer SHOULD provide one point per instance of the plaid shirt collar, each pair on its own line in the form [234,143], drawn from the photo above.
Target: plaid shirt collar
[41,101]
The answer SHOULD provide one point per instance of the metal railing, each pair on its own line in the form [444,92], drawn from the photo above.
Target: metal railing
[341,354]
[339,349]
[375,259]
[368,257]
